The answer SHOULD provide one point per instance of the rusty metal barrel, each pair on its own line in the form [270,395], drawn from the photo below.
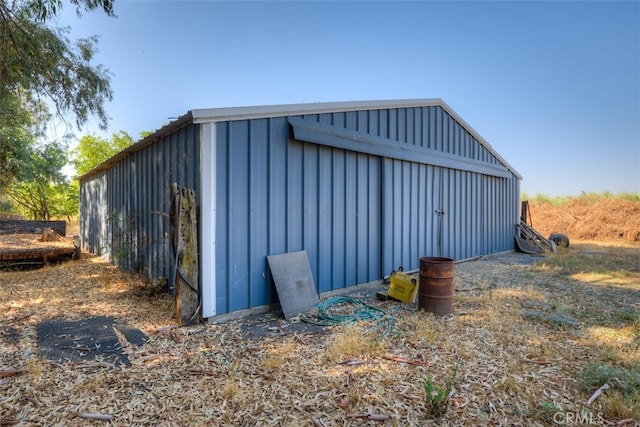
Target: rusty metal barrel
[436,285]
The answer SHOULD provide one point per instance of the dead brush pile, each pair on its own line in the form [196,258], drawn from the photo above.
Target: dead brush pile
[588,218]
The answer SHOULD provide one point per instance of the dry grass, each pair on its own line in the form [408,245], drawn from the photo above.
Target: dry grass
[530,342]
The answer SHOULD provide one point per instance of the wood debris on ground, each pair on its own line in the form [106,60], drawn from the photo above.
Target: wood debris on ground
[513,367]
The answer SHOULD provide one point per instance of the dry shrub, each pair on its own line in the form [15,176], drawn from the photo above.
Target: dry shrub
[230,387]
[278,356]
[584,218]
[615,405]
[424,327]
[353,341]
[34,367]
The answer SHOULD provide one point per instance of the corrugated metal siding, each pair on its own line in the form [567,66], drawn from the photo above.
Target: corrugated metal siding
[93,213]
[358,216]
[479,211]
[124,210]
[276,196]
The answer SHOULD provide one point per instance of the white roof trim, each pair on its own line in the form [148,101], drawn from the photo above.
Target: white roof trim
[245,113]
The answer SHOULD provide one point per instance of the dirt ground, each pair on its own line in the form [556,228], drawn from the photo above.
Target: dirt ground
[530,342]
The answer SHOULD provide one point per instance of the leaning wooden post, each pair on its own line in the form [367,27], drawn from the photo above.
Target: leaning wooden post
[185,247]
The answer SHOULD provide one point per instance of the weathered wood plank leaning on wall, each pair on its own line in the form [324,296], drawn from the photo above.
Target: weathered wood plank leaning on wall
[185,246]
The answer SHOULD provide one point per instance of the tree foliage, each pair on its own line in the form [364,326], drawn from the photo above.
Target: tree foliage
[45,9]
[42,61]
[19,132]
[43,192]
[39,62]
[93,150]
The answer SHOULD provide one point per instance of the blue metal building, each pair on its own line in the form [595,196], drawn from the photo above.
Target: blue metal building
[363,187]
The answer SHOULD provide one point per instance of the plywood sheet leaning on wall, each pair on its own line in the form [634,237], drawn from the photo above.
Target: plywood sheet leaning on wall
[292,276]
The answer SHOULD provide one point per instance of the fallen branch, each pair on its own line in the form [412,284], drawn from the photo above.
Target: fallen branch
[597,393]
[625,421]
[410,396]
[164,329]
[24,316]
[317,422]
[403,360]
[344,404]
[200,371]
[27,353]
[370,416]
[96,416]
[10,373]
[537,361]
[351,362]
[349,379]
[97,365]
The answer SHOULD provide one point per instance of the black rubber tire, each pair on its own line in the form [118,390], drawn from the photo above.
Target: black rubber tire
[561,240]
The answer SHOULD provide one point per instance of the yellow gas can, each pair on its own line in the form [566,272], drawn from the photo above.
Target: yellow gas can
[403,287]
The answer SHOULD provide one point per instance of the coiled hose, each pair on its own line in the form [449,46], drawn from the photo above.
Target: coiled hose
[326,313]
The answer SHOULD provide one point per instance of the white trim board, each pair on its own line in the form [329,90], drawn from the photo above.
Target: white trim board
[208,218]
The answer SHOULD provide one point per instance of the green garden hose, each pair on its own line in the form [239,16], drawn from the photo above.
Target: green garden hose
[360,311]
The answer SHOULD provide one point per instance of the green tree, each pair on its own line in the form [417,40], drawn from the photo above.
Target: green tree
[17,134]
[39,62]
[43,193]
[42,61]
[93,150]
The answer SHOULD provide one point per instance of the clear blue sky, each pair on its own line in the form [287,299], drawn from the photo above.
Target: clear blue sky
[554,87]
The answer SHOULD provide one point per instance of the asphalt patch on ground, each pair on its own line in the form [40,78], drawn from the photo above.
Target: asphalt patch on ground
[273,324]
[86,340]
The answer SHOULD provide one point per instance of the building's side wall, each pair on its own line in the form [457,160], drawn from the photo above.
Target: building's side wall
[480,211]
[276,195]
[358,216]
[124,211]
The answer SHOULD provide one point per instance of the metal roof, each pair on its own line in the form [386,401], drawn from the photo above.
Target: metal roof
[212,115]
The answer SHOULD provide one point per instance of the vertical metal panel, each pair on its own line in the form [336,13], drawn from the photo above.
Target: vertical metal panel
[124,210]
[294,196]
[310,205]
[277,200]
[325,219]
[258,211]
[375,218]
[338,184]
[238,217]
[361,218]
[350,211]
[222,217]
